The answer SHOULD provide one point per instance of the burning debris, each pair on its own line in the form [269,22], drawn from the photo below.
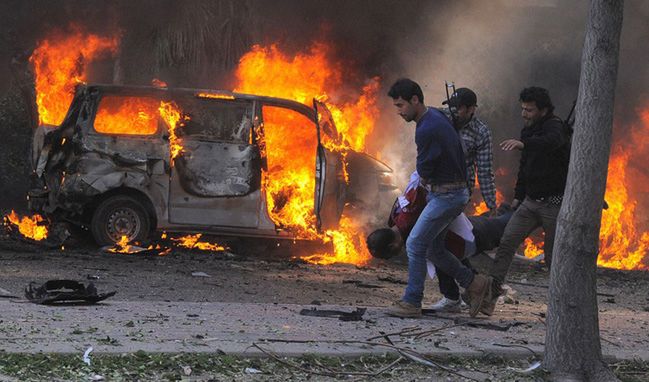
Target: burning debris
[32,227]
[192,242]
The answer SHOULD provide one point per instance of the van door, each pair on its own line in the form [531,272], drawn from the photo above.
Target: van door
[330,171]
[216,179]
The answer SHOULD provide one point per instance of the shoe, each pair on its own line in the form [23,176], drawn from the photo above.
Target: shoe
[404,309]
[478,291]
[488,306]
[446,305]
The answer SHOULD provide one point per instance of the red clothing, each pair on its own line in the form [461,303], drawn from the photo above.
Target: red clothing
[405,218]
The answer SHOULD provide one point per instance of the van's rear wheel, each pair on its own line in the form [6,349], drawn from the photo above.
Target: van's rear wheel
[120,216]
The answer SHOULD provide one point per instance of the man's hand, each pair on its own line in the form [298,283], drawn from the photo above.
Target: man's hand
[511,144]
[515,204]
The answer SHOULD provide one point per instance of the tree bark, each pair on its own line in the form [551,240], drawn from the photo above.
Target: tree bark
[573,348]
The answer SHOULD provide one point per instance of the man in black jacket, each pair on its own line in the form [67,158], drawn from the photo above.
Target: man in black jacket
[545,146]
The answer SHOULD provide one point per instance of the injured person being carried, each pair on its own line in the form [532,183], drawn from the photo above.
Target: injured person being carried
[466,237]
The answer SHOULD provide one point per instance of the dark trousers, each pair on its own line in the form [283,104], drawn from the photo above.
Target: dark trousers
[530,215]
[447,285]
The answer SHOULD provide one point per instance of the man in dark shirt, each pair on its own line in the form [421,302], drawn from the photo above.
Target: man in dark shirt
[441,165]
[545,152]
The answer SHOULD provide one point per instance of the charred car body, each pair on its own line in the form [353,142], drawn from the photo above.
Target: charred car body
[122,180]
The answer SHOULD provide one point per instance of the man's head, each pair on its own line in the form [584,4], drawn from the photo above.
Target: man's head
[464,101]
[408,99]
[535,104]
[384,243]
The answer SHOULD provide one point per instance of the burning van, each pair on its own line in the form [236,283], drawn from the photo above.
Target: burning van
[129,161]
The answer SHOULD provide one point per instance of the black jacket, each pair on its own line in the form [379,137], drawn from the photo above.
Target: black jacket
[544,160]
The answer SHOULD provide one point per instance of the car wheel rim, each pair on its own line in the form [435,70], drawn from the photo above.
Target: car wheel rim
[123,222]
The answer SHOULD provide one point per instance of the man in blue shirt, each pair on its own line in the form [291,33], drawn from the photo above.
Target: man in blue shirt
[442,168]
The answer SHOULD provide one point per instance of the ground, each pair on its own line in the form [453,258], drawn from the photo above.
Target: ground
[246,303]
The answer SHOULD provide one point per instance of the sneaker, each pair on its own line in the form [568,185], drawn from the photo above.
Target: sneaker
[404,309]
[478,291]
[446,305]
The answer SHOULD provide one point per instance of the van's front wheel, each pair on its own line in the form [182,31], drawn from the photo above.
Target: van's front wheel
[120,216]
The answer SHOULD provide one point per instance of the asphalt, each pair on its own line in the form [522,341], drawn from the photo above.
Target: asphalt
[114,326]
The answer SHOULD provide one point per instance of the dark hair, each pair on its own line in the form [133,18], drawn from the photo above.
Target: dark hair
[406,89]
[378,243]
[540,96]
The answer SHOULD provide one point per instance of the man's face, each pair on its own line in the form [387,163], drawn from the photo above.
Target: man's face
[531,114]
[464,113]
[406,109]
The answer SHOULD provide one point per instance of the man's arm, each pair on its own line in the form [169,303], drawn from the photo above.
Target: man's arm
[519,189]
[551,137]
[484,163]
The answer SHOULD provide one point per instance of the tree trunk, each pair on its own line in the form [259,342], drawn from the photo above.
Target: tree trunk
[573,349]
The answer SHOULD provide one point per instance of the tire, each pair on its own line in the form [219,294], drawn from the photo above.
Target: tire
[118,216]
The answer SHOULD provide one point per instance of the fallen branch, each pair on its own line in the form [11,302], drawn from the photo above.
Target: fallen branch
[332,373]
[404,352]
[517,346]
[405,330]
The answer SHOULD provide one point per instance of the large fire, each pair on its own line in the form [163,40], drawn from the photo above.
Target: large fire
[60,63]
[291,141]
[623,242]
[32,227]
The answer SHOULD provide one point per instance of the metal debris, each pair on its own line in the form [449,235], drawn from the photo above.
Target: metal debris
[356,315]
[64,291]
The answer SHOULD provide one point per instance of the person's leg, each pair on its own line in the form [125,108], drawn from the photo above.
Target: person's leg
[524,220]
[548,214]
[447,286]
[432,222]
[521,224]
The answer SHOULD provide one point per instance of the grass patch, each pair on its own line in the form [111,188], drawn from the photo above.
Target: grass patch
[142,366]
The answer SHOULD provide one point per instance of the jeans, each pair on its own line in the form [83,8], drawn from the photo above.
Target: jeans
[529,216]
[447,285]
[426,241]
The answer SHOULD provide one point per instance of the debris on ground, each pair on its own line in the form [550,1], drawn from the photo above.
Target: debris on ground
[356,315]
[64,291]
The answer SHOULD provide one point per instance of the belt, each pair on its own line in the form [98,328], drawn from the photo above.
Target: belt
[445,187]
[553,199]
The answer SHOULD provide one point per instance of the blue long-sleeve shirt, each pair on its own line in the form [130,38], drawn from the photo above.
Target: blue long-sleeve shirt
[440,158]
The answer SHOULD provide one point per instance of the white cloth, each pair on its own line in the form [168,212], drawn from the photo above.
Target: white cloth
[461,225]
[412,184]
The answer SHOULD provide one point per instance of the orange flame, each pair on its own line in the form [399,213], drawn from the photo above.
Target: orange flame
[60,63]
[123,246]
[172,115]
[127,115]
[481,208]
[291,141]
[191,241]
[533,247]
[622,245]
[32,227]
